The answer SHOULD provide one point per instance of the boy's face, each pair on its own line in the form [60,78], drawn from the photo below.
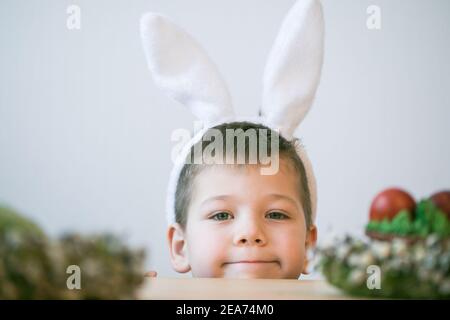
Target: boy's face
[242,224]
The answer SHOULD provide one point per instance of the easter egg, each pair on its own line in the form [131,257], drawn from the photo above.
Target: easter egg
[442,201]
[389,202]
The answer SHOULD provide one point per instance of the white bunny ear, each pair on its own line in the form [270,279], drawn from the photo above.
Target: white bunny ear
[182,69]
[293,68]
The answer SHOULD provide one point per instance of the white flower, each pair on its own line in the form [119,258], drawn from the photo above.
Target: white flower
[419,254]
[399,247]
[357,276]
[367,258]
[342,251]
[381,249]
[397,263]
[444,260]
[432,240]
[328,242]
[430,261]
[354,260]
[361,260]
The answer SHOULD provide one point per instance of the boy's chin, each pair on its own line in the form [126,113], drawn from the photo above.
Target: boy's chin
[249,271]
[256,270]
[253,275]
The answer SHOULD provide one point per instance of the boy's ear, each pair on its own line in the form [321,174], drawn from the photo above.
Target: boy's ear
[178,248]
[311,237]
[311,240]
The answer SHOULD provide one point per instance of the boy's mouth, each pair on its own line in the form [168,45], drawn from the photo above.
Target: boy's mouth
[252,262]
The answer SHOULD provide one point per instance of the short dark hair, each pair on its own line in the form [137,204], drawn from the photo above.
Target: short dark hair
[287,150]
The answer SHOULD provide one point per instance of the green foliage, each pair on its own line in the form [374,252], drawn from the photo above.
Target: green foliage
[428,219]
[32,266]
[402,224]
[11,221]
[385,226]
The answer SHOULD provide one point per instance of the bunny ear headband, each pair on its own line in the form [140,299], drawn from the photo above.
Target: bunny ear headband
[182,69]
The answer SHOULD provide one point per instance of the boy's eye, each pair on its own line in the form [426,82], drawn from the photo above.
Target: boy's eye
[276,215]
[220,216]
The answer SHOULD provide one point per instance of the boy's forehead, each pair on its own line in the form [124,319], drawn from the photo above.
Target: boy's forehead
[285,167]
[231,179]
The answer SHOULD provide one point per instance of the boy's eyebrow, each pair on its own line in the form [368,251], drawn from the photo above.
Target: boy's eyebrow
[284,197]
[221,197]
[273,195]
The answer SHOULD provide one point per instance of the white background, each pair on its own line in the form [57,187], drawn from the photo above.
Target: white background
[85,135]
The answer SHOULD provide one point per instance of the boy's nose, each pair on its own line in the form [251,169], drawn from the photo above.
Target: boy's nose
[250,241]
[249,234]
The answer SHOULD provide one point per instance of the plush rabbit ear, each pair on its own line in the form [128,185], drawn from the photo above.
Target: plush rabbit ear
[293,68]
[182,69]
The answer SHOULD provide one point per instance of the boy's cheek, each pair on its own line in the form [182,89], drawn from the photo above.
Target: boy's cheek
[290,247]
[206,249]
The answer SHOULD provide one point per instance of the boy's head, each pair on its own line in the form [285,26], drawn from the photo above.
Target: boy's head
[233,221]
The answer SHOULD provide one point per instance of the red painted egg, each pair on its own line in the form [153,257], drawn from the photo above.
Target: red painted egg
[442,201]
[390,202]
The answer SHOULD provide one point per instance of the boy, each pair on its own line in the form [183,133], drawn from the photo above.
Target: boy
[241,219]
[233,221]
